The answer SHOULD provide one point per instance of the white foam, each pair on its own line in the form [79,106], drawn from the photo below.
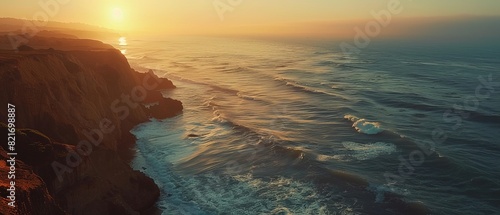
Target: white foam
[218,117]
[351,117]
[338,157]
[159,152]
[361,151]
[363,126]
[243,194]
[244,96]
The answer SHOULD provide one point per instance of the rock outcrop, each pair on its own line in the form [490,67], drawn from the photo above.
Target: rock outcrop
[30,191]
[76,108]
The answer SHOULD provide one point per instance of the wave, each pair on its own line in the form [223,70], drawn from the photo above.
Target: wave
[403,104]
[364,126]
[333,64]
[243,95]
[143,58]
[248,194]
[359,194]
[335,87]
[269,140]
[370,150]
[474,116]
[328,63]
[322,52]
[221,117]
[484,118]
[209,193]
[234,69]
[224,119]
[358,151]
[240,94]
[302,88]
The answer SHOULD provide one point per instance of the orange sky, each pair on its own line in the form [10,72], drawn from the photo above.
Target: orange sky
[323,17]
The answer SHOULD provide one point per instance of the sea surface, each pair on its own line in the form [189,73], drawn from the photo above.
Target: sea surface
[299,127]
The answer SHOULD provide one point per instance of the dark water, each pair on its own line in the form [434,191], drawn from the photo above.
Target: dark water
[300,128]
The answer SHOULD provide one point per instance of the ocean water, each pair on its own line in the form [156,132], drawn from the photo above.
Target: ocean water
[298,127]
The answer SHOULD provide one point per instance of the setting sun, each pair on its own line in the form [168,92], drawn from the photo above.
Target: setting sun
[117,14]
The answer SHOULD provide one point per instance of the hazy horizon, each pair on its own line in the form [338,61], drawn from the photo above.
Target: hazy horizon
[322,19]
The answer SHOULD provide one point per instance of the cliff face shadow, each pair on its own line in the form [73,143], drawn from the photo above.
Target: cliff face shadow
[75,102]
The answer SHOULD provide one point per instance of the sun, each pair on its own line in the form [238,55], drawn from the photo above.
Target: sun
[117,14]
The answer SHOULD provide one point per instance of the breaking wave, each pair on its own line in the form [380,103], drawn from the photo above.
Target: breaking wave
[364,126]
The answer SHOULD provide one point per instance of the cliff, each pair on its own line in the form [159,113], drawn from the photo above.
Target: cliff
[31,191]
[74,109]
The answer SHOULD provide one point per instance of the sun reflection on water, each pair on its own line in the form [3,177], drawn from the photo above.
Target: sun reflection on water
[122,41]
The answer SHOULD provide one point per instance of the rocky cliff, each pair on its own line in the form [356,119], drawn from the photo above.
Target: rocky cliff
[75,107]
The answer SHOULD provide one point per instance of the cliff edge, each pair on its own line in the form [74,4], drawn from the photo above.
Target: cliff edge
[74,108]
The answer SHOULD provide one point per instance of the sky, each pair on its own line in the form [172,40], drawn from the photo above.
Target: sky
[243,16]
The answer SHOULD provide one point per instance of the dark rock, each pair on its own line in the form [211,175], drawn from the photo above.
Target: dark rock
[153,97]
[163,83]
[30,191]
[165,108]
[25,48]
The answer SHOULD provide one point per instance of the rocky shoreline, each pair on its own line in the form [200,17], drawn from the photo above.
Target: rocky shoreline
[74,110]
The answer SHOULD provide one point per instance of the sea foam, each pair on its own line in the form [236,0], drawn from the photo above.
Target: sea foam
[368,151]
[363,126]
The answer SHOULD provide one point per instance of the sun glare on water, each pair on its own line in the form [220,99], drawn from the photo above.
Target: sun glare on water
[122,42]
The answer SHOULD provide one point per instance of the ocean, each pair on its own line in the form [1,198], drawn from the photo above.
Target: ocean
[298,127]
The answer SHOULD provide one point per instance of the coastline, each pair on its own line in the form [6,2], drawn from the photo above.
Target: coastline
[75,108]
